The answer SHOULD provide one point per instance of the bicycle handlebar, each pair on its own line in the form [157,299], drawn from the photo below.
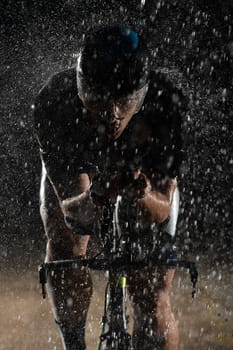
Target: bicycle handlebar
[117,264]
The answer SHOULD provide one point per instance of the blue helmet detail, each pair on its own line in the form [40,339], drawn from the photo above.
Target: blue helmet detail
[124,44]
[132,36]
[115,58]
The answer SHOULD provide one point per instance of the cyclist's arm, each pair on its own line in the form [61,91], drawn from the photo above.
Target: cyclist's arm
[62,164]
[156,204]
[165,156]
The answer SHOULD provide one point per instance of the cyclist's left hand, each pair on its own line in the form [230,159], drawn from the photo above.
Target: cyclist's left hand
[139,187]
[104,187]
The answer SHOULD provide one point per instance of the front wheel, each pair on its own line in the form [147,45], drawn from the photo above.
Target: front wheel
[113,341]
[114,334]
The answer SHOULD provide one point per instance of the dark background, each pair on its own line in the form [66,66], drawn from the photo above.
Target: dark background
[191,42]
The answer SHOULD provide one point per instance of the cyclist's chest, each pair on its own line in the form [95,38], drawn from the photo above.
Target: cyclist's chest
[128,150]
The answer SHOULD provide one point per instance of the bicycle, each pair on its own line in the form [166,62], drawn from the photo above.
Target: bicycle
[114,333]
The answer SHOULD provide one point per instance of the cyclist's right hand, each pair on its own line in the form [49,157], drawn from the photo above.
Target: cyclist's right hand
[111,182]
[133,184]
[103,189]
[80,209]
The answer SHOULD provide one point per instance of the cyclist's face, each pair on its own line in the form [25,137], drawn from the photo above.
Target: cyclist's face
[110,114]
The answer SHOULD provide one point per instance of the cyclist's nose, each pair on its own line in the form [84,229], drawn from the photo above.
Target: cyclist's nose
[110,116]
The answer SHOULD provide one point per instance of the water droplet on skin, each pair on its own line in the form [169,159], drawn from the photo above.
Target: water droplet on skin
[69,302]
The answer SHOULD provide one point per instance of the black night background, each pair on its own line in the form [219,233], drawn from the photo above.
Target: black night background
[192,42]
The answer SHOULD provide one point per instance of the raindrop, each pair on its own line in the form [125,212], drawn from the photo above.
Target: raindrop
[143,2]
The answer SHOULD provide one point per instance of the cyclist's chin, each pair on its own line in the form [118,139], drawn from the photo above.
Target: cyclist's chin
[113,135]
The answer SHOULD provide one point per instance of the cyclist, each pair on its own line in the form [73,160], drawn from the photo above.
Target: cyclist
[110,126]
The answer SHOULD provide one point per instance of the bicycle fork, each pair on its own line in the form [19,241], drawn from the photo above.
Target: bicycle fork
[114,333]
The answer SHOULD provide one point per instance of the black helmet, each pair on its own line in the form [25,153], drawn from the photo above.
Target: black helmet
[114,58]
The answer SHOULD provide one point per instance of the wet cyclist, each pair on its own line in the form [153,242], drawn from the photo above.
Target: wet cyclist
[110,126]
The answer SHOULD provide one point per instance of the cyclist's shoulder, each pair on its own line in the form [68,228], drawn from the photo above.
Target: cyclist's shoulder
[164,94]
[59,89]
[164,105]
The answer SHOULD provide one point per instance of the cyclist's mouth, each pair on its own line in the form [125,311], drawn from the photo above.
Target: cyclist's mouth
[110,130]
[113,129]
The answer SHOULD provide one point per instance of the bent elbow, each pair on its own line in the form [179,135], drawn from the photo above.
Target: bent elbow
[156,211]
[162,216]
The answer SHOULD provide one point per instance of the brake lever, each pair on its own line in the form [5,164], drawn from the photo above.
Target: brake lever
[42,279]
